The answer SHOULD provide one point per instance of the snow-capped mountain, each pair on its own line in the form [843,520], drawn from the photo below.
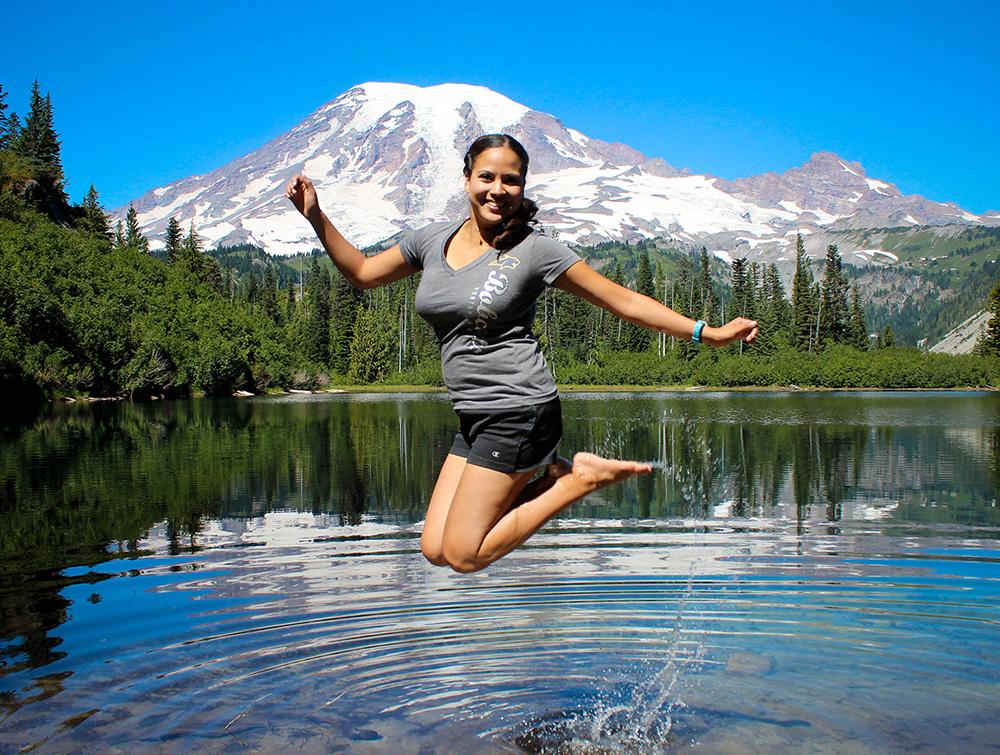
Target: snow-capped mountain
[388,157]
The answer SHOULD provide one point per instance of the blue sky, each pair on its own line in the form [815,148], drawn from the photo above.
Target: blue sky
[143,97]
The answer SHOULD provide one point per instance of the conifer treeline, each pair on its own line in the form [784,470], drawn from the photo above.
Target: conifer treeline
[88,309]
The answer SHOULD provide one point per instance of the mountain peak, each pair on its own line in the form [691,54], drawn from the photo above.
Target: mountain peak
[376,98]
[827,161]
[387,157]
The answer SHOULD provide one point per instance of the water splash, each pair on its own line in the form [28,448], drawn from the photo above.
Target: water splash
[639,720]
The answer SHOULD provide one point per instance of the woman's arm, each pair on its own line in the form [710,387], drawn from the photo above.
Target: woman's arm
[360,271]
[583,281]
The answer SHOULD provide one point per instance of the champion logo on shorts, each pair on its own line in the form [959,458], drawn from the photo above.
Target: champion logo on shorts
[496,454]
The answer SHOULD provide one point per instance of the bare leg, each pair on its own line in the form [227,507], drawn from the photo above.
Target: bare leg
[546,480]
[444,493]
[437,509]
[483,524]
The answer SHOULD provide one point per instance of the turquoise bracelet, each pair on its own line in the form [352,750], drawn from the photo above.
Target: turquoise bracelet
[698,327]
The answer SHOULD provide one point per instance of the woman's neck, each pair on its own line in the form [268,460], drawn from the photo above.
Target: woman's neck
[481,237]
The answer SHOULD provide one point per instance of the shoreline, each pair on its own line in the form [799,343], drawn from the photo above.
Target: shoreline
[564,389]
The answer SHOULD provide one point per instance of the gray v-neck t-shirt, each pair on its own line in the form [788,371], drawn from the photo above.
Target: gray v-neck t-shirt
[482,314]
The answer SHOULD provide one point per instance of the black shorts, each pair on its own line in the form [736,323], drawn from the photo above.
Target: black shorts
[510,440]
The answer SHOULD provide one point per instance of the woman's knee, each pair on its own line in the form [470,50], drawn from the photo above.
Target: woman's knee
[432,550]
[461,557]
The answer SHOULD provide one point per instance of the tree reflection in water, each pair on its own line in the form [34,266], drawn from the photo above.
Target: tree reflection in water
[84,484]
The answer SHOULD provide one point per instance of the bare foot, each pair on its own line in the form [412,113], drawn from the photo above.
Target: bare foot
[600,472]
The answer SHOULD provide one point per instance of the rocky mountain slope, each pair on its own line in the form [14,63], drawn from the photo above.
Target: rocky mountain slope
[963,339]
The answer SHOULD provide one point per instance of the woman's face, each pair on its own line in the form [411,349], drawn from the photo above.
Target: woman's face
[495,186]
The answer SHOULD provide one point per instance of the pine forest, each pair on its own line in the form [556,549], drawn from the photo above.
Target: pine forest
[88,310]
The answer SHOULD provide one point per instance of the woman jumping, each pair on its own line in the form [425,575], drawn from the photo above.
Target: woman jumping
[482,277]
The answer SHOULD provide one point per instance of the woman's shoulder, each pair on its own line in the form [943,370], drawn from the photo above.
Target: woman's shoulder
[549,257]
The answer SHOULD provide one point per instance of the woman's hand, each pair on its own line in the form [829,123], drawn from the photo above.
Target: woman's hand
[739,329]
[301,192]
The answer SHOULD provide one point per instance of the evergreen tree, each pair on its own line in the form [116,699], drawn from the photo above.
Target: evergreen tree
[291,300]
[133,236]
[269,296]
[775,296]
[755,293]
[251,291]
[744,283]
[13,137]
[644,277]
[316,334]
[194,259]
[637,338]
[4,118]
[773,309]
[834,308]
[191,249]
[50,147]
[118,242]
[741,288]
[94,218]
[173,241]
[39,142]
[989,343]
[374,334]
[857,331]
[804,301]
[31,139]
[886,340]
[572,330]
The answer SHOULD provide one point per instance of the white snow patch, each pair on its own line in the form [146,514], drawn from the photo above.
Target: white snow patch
[856,197]
[848,169]
[911,219]
[723,255]
[257,188]
[493,110]
[319,166]
[561,150]
[970,217]
[823,217]
[877,186]
[577,137]
[286,232]
[159,213]
[691,202]
[870,254]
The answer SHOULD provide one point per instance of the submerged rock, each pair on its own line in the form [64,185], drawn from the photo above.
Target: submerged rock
[749,664]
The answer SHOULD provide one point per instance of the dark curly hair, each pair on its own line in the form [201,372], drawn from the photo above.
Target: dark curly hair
[515,228]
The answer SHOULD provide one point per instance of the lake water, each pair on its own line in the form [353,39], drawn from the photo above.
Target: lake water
[802,572]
